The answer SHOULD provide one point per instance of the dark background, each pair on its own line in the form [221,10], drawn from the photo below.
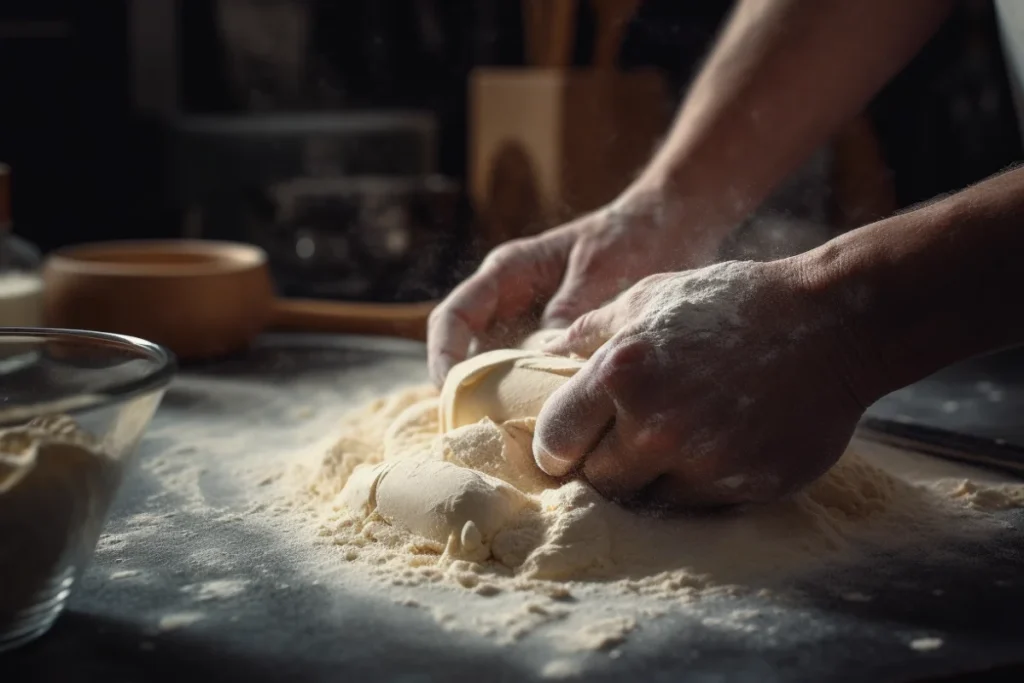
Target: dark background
[89,165]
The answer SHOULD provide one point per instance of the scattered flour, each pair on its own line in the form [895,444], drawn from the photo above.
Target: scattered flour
[178,620]
[565,569]
[222,589]
[737,620]
[424,489]
[522,531]
[561,668]
[603,634]
[124,574]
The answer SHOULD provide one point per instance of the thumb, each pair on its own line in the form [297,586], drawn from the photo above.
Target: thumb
[589,332]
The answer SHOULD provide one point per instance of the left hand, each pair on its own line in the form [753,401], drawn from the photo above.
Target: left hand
[566,271]
[715,386]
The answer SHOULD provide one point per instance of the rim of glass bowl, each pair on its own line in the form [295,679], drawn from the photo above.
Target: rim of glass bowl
[157,378]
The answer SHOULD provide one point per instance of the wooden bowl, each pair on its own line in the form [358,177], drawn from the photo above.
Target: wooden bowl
[195,297]
[200,299]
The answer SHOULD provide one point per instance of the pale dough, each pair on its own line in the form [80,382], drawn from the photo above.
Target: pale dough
[471,481]
[502,385]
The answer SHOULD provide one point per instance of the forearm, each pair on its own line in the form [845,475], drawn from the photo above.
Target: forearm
[924,289]
[782,78]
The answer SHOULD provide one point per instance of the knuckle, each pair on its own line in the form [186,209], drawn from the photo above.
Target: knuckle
[626,360]
[578,331]
[638,296]
[656,278]
[634,299]
[506,254]
[586,335]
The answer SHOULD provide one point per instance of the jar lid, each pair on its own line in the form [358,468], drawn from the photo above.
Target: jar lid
[5,197]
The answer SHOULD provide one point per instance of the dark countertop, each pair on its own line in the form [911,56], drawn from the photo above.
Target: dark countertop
[983,397]
[137,615]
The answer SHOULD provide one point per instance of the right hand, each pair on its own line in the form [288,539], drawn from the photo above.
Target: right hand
[736,383]
[564,272]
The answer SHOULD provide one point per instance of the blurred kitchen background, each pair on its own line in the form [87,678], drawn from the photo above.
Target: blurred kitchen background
[377,148]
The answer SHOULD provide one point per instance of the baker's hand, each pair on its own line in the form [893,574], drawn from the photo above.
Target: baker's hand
[563,273]
[722,385]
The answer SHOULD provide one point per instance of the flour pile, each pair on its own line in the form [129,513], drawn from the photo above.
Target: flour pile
[424,486]
[55,484]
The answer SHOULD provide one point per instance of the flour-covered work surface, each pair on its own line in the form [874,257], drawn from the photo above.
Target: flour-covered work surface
[314,509]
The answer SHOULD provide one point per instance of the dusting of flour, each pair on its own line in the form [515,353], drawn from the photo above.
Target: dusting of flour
[573,575]
[561,542]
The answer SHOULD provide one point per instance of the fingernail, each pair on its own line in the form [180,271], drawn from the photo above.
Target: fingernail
[541,457]
[547,462]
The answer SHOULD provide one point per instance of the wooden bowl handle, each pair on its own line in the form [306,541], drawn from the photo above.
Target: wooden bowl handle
[388,320]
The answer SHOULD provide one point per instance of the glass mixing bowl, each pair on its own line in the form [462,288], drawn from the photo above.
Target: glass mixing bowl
[73,408]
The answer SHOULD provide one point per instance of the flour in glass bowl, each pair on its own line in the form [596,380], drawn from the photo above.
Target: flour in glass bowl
[55,485]
[21,299]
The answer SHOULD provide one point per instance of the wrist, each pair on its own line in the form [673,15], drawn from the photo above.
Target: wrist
[909,295]
[826,279]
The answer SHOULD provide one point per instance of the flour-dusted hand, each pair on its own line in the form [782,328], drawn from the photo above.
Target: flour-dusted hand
[714,386]
[563,273]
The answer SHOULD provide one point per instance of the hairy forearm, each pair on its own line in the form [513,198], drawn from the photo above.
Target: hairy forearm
[784,75]
[927,288]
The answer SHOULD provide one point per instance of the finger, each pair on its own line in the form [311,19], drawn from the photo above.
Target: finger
[511,282]
[589,332]
[571,423]
[471,309]
[578,294]
[454,323]
[632,455]
[617,470]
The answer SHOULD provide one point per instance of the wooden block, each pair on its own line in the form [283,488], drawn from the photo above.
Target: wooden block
[548,145]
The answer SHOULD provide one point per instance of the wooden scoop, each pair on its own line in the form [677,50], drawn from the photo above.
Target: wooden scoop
[200,299]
